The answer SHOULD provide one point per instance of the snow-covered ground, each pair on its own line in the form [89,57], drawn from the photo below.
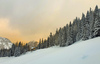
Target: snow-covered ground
[84,52]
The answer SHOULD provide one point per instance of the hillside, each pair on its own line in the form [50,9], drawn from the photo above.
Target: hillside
[82,52]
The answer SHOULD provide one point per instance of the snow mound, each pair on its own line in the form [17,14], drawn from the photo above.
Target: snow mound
[83,52]
[5,43]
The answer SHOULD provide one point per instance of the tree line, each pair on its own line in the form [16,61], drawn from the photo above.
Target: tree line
[16,50]
[81,29]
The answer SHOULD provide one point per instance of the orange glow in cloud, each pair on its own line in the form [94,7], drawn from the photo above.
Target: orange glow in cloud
[7,32]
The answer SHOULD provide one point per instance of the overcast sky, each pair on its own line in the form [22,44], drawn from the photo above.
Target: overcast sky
[27,20]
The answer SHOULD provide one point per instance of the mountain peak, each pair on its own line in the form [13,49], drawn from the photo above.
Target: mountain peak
[5,43]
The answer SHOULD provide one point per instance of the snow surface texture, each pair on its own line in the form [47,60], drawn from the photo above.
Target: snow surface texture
[5,43]
[82,52]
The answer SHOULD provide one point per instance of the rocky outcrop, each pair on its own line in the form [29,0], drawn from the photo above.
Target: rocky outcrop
[32,45]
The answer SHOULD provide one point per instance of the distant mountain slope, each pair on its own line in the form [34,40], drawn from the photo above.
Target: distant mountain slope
[5,43]
[82,52]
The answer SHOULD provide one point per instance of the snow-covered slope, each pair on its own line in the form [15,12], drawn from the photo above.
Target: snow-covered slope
[5,43]
[84,52]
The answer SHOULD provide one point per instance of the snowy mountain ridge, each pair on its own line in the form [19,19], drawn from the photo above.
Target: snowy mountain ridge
[5,43]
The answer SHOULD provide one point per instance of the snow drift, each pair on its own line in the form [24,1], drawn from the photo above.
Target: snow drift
[83,52]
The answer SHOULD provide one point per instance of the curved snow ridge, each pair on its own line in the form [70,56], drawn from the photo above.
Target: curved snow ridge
[83,52]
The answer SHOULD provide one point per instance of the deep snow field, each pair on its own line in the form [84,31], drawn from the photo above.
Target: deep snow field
[82,52]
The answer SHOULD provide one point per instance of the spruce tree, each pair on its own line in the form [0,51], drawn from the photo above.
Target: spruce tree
[96,31]
[17,51]
[87,26]
[91,23]
[56,37]
[70,35]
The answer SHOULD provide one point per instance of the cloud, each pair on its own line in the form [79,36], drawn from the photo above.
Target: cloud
[7,32]
[28,20]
